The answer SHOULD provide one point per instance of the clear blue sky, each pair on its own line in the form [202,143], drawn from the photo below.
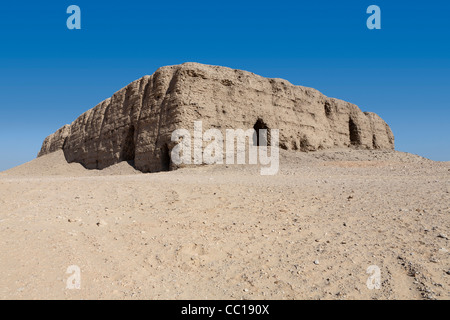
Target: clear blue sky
[49,75]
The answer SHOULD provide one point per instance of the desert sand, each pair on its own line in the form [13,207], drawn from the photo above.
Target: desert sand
[226,232]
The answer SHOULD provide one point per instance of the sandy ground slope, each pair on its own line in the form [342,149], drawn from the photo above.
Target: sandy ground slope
[220,232]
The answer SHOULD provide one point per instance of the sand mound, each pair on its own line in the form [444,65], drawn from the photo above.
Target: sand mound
[367,155]
[121,168]
[55,164]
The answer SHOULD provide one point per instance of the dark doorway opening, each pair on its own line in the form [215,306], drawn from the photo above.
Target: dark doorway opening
[260,139]
[165,158]
[128,148]
[354,134]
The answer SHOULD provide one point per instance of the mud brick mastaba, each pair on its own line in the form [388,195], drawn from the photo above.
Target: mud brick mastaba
[136,123]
